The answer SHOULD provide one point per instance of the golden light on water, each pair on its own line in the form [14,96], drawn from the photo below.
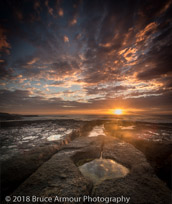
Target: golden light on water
[118,111]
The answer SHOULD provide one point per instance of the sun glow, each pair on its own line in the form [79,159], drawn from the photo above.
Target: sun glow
[118,111]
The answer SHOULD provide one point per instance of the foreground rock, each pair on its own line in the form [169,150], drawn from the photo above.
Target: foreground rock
[18,168]
[60,176]
[157,152]
[141,184]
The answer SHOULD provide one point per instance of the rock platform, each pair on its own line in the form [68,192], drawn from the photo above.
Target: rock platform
[60,175]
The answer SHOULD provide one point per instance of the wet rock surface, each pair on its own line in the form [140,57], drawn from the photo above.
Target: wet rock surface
[60,175]
[141,184]
[51,167]
[18,168]
[18,137]
[154,140]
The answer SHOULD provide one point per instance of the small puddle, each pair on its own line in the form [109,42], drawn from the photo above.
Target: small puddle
[59,136]
[97,130]
[127,128]
[29,138]
[54,137]
[99,170]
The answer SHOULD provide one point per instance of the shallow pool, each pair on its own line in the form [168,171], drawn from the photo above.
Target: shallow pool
[99,170]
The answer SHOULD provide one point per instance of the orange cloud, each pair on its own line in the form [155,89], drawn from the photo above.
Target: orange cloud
[33,61]
[50,10]
[129,54]
[60,12]
[105,45]
[66,39]
[151,27]
[167,5]
[4,45]
[73,21]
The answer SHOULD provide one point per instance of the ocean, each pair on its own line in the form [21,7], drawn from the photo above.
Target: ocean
[134,118]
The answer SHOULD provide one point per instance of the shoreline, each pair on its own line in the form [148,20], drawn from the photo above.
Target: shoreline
[19,164]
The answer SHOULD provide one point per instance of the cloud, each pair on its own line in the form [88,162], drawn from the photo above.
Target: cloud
[57,83]
[66,39]
[105,45]
[147,31]
[37,5]
[73,21]
[50,10]
[33,61]
[105,90]
[64,68]
[4,44]
[60,12]
[165,7]
[87,54]
[14,97]
[157,64]
[22,101]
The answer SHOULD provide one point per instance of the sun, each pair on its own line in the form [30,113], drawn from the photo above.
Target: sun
[118,111]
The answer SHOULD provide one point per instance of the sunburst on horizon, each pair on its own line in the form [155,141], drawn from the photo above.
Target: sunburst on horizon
[118,111]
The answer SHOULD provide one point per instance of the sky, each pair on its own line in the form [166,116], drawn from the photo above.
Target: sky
[85,56]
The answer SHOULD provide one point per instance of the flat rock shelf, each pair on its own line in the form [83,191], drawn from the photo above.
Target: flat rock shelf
[61,176]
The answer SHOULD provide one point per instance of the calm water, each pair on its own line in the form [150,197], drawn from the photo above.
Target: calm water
[99,170]
[142,118]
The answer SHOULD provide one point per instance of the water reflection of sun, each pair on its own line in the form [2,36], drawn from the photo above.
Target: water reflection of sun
[118,111]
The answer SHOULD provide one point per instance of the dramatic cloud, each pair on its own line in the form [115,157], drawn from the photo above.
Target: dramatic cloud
[66,39]
[85,56]
[60,12]
[4,45]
